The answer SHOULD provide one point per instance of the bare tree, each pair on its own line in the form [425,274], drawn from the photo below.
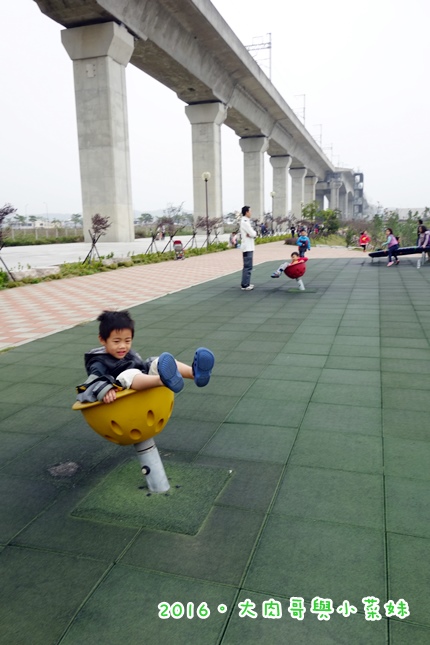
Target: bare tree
[99,227]
[5,211]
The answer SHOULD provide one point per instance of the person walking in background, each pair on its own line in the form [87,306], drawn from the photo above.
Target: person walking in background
[304,243]
[392,245]
[364,240]
[247,246]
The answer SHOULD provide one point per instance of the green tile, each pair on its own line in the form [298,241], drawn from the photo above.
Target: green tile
[404,634]
[355,351]
[51,595]
[398,398]
[110,616]
[7,410]
[406,381]
[37,419]
[355,452]
[268,413]
[331,495]
[251,442]
[298,346]
[409,424]
[409,572]
[406,366]
[31,393]
[364,333]
[269,346]
[365,395]
[224,385]
[57,531]
[297,557]
[202,406]
[40,462]
[13,444]
[21,501]
[290,391]
[347,339]
[289,373]
[353,363]
[354,629]
[407,458]
[408,506]
[250,487]
[122,498]
[219,552]
[409,353]
[351,377]
[299,360]
[186,434]
[340,418]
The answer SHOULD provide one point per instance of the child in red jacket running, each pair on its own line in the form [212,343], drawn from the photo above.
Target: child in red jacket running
[294,269]
[364,240]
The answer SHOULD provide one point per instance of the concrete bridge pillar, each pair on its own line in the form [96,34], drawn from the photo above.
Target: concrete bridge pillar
[319,198]
[310,183]
[280,167]
[297,190]
[206,120]
[253,149]
[334,194]
[100,54]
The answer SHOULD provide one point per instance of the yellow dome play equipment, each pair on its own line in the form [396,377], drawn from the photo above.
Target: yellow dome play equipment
[135,417]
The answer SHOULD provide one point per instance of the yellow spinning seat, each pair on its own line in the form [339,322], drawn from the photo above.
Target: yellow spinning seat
[133,417]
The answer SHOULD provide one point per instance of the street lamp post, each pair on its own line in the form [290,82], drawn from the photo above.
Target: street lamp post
[273,195]
[206,176]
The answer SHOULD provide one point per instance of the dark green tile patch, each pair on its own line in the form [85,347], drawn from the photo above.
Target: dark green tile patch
[289,373]
[268,413]
[398,398]
[406,381]
[407,458]
[342,418]
[186,434]
[364,395]
[297,557]
[353,363]
[52,594]
[408,506]
[351,377]
[252,442]
[120,498]
[260,630]
[331,495]
[409,573]
[299,360]
[20,502]
[37,419]
[355,452]
[408,424]
[250,486]
[288,391]
[110,616]
[219,552]
[13,444]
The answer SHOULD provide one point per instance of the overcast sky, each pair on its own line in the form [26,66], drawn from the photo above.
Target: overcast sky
[360,70]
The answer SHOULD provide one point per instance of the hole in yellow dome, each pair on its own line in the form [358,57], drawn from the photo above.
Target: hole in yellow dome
[160,425]
[150,418]
[111,439]
[116,428]
[135,434]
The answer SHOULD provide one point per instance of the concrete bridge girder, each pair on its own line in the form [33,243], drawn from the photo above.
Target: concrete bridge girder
[187,46]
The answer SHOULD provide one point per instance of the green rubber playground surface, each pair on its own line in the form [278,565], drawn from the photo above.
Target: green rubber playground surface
[302,512]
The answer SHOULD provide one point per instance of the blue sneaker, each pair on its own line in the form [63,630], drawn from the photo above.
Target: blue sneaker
[169,373]
[203,363]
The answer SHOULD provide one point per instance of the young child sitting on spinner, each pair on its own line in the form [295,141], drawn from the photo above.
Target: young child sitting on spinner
[294,269]
[115,366]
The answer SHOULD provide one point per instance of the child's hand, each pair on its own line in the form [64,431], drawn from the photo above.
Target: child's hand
[110,396]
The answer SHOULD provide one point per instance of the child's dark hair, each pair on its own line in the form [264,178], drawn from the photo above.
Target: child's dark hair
[114,321]
[245,209]
[294,253]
